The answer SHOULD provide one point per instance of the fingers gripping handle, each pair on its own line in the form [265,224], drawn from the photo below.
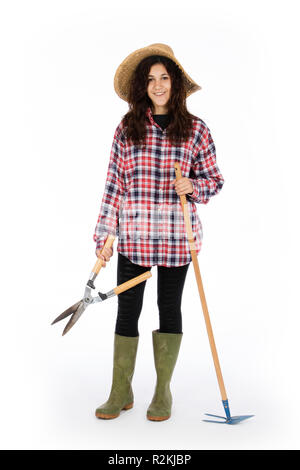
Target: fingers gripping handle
[99,263]
[178,176]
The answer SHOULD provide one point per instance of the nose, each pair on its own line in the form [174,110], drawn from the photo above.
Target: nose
[157,83]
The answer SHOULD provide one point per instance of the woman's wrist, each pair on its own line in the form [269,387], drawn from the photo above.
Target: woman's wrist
[192,187]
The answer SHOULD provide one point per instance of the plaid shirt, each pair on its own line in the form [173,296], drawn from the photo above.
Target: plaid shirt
[139,204]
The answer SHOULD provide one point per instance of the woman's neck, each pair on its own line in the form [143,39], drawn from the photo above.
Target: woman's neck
[159,111]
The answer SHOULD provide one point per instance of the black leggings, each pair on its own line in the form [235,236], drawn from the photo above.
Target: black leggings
[170,283]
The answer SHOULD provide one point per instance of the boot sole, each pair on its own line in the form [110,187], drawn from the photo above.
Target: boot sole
[158,418]
[110,416]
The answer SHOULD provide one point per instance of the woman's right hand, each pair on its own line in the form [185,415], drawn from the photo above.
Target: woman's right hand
[105,254]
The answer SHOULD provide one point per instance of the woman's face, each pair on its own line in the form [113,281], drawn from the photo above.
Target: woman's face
[159,88]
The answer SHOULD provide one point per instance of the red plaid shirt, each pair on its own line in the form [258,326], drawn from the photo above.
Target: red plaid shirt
[139,204]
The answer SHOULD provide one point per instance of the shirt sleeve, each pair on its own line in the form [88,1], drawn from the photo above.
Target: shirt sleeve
[205,175]
[108,218]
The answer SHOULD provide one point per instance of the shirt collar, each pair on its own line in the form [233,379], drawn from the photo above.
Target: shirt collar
[150,115]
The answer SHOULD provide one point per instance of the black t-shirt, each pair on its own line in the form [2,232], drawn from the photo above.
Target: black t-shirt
[162,120]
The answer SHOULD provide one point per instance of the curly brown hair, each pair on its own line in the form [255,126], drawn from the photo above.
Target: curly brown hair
[181,120]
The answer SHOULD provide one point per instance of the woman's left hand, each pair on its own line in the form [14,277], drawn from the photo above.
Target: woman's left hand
[183,186]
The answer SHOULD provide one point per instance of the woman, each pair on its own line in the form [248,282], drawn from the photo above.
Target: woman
[141,205]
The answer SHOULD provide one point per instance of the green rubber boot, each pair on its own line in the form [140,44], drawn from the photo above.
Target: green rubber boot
[166,348]
[121,395]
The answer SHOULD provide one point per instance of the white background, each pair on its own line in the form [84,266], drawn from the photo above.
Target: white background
[58,114]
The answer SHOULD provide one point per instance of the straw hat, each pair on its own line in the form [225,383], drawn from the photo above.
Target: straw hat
[125,70]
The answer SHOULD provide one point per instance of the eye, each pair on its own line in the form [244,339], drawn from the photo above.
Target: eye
[164,78]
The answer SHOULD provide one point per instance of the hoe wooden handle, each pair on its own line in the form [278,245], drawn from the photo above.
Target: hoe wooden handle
[99,263]
[185,211]
[132,282]
[190,236]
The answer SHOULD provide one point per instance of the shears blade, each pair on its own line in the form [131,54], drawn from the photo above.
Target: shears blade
[76,315]
[76,311]
[67,312]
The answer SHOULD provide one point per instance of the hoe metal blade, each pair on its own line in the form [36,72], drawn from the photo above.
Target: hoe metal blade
[230,420]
